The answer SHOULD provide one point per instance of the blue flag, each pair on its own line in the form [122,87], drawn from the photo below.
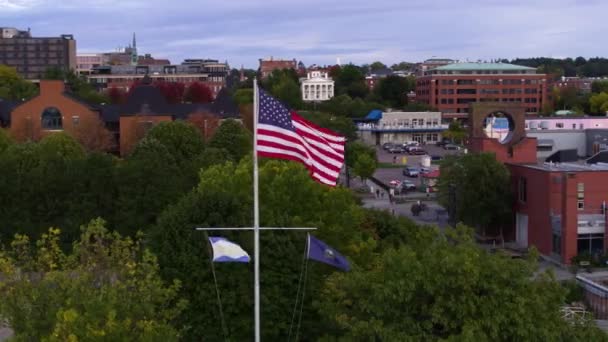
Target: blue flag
[320,251]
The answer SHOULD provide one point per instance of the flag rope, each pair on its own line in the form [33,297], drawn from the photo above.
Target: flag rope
[303,286]
[295,307]
[217,290]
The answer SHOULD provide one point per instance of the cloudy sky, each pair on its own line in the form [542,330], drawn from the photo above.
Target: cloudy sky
[320,31]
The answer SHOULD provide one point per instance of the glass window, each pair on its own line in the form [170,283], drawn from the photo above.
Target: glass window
[556,243]
[51,119]
[590,243]
[523,189]
[580,205]
[580,187]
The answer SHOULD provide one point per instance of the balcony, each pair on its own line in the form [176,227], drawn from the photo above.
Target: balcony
[400,128]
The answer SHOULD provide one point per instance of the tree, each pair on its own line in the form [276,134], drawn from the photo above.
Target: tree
[5,140]
[377,66]
[477,187]
[234,138]
[402,66]
[13,87]
[147,182]
[181,139]
[172,91]
[116,95]
[455,132]
[223,199]
[599,103]
[198,93]
[350,81]
[93,135]
[243,96]
[393,90]
[599,87]
[288,91]
[108,288]
[390,302]
[364,166]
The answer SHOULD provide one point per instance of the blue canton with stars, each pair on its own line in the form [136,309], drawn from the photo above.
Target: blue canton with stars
[272,112]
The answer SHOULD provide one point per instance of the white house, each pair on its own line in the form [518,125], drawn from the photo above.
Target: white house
[317,86]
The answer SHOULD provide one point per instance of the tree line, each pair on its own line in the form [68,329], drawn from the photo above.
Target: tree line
[108,248]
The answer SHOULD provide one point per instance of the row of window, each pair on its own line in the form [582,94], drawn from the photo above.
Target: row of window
[489,82]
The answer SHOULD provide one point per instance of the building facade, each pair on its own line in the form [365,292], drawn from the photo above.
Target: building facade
[33,56]
[450,88]
[210,72]
[268,65]
[57,110]
[317,86]
[401,127]
[560,208]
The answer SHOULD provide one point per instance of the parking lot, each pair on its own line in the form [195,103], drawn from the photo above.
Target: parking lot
[385,175]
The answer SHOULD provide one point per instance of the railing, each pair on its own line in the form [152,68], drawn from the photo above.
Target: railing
[388,128]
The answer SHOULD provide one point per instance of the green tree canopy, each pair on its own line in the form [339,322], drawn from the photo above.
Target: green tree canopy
[599,103]
[233,137]
[107,289]
[447,289]
[182,139]
[364,166]
[13,87]
[455,132]
[288,91]
[480,187]
[243,96]
[377,66]
[5,140]
[393,90]
[599,87]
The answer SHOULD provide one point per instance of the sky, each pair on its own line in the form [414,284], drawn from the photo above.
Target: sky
[321,31]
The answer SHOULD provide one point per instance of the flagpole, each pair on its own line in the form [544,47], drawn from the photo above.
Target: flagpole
[256,213]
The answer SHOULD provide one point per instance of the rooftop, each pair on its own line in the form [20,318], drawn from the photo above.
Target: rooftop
[569,167]
[482,66]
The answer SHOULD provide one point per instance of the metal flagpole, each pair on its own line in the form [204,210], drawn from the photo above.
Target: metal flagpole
[256,212]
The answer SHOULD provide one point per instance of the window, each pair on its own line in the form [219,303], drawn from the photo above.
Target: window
[590,243]
[580,204]
[559,125]
[580,187]
[523,190]
[557,243]
[51,119]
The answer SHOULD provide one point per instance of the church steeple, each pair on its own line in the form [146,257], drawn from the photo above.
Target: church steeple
[134,56]
[134,42]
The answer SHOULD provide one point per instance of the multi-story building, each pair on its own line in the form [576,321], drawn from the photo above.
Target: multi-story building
[561,208]
[317,86]
[373,77]
[268,65]
[581,84]
[432,63]
[33,56]
[400,127]
[450,88]
[209,72]
[86,62]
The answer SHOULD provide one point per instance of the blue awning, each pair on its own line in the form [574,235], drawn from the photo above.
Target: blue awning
[374,115]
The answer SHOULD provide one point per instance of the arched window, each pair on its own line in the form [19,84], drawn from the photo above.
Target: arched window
[51,118]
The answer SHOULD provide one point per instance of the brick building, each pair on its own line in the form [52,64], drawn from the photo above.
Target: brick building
[267,66]
[450,88]
[32,56]
[559,208]
[56,110]
[209,72]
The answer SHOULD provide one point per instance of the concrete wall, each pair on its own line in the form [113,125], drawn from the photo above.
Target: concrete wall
[562,140]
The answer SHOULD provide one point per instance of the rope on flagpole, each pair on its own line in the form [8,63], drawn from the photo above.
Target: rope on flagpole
[295,307]
[217,291]
[303,287]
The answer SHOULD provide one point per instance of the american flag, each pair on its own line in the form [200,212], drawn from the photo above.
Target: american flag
[285,135]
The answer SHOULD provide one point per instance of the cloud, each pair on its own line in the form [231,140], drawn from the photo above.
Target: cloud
[319,31]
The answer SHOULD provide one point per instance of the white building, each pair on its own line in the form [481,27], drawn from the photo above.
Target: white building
[317,86]
[401,127]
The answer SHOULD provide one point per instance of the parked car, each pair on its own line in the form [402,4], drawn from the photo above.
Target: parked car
[443,142]
[436,158]
[407,185]
[417,151]
[411,143]
[425,170]
[411,171]
[450,147]
[387,146]
[396,149]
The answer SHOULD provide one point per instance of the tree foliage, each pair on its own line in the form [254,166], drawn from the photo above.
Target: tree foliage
[599,103]
[364,166]
[13,87]
[233,137]
[198,93]
[243,96]
[478,187]
[456,132]
[393,90]
[107,289]
[449,289]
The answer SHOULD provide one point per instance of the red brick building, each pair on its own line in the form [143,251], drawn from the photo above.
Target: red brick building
[450,88]
[559,208]
[56,110]
[267,66]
